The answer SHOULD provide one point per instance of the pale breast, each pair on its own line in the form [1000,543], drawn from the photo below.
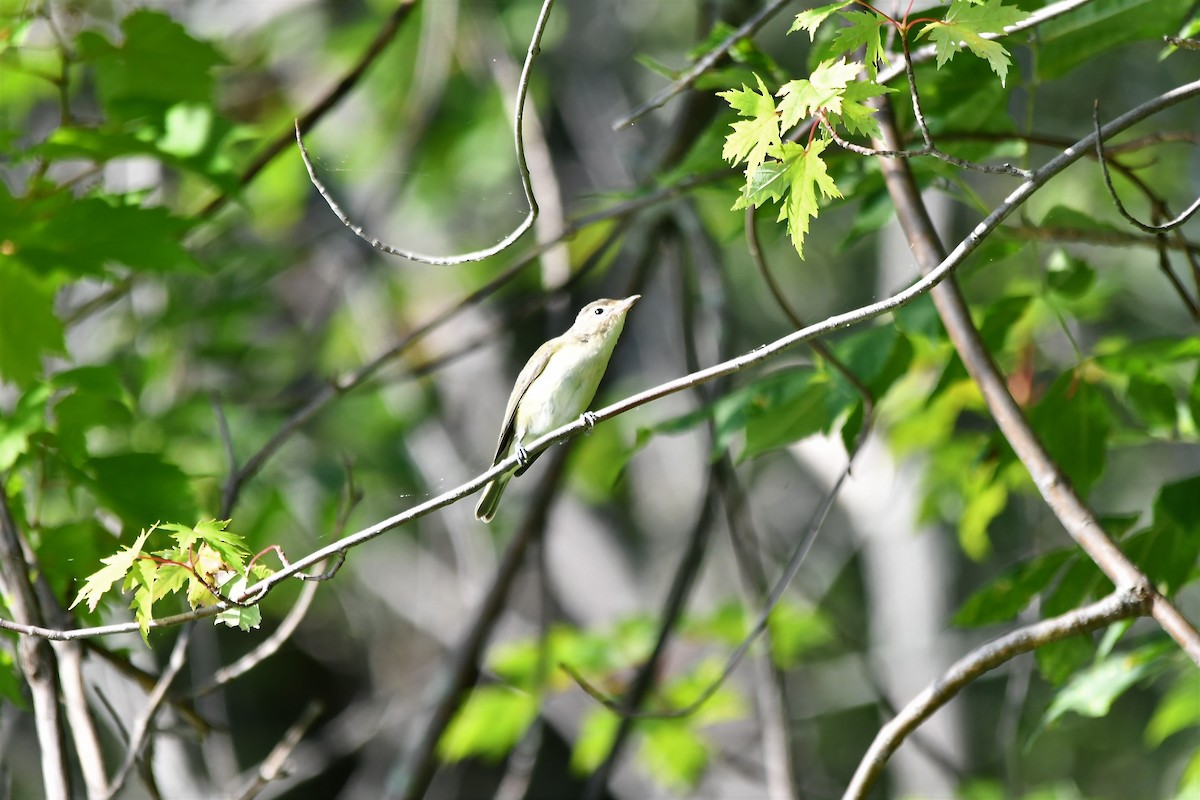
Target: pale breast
[561,393]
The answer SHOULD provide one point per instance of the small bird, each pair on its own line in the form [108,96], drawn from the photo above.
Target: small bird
[556,385]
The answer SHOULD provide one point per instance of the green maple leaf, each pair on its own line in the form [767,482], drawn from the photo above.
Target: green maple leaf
[170,579]
[964,26]
[811,19]
[245,617]
[230,546]
[822,91]
[185,537]
[142,579]
[752,138]
[865,30]
[806,176]
[117,566]
[857,117]
[768,183]
[796,177]
[28,327]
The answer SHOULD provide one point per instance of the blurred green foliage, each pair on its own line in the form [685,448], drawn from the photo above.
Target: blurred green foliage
[127,308]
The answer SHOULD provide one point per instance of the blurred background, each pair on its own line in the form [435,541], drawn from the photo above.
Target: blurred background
[384,379]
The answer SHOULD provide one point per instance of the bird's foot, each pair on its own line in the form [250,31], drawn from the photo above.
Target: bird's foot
[522,455]
[589,421]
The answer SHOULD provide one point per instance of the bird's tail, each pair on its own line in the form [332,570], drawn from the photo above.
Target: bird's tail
[490,499]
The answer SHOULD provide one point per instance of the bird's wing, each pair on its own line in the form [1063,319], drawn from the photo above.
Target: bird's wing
[533,367]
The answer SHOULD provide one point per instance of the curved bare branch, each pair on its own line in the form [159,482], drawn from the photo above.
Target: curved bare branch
[535,48]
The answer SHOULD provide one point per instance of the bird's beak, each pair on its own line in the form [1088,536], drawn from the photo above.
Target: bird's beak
[628,302]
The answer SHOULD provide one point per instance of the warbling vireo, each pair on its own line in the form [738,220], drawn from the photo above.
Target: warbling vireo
[556,386]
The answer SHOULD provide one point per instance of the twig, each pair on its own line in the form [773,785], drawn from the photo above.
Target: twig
[457,677]
[531,55]
[273,765]
[1121,604]
[1183,44]
[141,727]
[643,682]
[932,149]
[795,561]
[1164,266]
[1170,224]
[351,497]
[816,345]
[310,118]
[1115,238]
[703,64]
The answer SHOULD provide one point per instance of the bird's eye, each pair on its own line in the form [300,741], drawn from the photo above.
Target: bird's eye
[598,311]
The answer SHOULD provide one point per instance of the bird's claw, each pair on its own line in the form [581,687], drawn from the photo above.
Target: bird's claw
[589,420]
[522,455]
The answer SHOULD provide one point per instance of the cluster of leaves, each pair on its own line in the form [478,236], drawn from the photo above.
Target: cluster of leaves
[78,444]
[1122,392]
[674,750]
[156,91]
[207,559]
[833,97]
